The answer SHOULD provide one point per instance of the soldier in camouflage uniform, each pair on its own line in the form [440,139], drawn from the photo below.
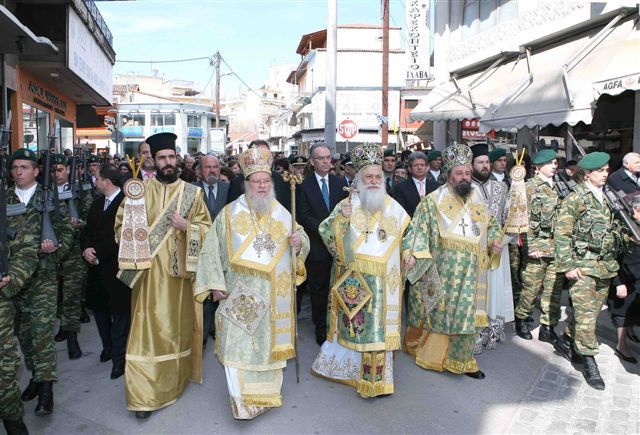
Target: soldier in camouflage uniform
[588,239]
[539,270]
[23,260]
[36,303]
[73,267]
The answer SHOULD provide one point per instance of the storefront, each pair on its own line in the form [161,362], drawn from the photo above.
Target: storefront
[45,112]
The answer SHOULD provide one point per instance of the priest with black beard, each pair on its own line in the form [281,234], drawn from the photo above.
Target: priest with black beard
[495,195]
[160,227]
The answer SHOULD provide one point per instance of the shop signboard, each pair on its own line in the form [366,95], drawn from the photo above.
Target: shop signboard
[417,49]
[194,132]
[218,140]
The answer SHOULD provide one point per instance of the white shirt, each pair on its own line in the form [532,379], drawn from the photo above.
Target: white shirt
[319,178]
[632,176]
[547,180]
[25,194]
[417,183]
[112,197]
[62,188]
[499,177]
[597,192]
[435,174]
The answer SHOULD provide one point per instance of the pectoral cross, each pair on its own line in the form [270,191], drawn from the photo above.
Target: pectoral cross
[463,226]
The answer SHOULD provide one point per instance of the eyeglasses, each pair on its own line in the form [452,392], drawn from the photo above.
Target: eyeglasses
[260,182]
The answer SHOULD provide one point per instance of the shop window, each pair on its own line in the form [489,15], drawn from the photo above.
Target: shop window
[35,127]
[64,134]
[131,120]
[193,145]
[194,121]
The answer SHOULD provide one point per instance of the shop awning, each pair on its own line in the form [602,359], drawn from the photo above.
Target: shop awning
[556,83]
[464,98]
[623,70]
[18,38]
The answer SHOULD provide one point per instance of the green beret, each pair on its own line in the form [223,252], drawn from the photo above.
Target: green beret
[60,159]
[389,153]
[496,153]
[543,156]
[24,154]
[594,160]
[93,158]
[434,155]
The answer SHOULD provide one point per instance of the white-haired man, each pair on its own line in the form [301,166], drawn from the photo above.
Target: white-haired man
[364,234]
[450,247]
[627,178]
[246,265]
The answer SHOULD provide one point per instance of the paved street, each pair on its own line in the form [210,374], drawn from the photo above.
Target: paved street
[528,389]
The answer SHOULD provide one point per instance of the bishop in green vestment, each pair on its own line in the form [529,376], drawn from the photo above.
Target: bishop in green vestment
[450,241]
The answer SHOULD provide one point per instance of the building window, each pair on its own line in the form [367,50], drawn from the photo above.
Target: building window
[410,104]
[131,120]
[193,145]
[193,121]
[35,128]
[64,133]
[162,119]
[481,15]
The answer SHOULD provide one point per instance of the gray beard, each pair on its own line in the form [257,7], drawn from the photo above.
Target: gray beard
[372,199]
[260,205]
[211,179]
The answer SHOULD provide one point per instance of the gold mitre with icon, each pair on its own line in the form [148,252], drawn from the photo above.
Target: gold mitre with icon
[365,155]
[456,155]
[256,159]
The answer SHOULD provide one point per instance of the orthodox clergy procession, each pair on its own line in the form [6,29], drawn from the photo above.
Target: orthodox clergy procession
[305,217]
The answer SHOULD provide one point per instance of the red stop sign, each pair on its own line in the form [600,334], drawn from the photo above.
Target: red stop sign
[347,129]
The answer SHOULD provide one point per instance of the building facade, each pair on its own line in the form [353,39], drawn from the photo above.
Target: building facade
[57,61]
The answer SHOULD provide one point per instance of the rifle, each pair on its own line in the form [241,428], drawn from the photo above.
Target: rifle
[47,205]
[615,200]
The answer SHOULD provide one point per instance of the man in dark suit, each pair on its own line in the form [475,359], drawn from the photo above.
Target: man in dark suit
[109,298]
[409,192]
[349,171]
[627,178]
[388,167]
[316,197]
[215,196]
[282,189]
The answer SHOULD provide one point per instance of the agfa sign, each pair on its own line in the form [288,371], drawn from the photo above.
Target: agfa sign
[347,129]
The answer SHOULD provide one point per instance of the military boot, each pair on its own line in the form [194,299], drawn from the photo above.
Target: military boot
[45,398]
[547,334]
[567,348]
[591,373]
[72,345]
[31,391]
[61,336]
[15,427]
[522,329]
[84,316]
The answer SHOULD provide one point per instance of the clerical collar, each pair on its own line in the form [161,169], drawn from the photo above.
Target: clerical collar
[546,179]
[597,191]
[499,177]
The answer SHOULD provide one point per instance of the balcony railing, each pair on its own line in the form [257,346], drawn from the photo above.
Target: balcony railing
[95,13]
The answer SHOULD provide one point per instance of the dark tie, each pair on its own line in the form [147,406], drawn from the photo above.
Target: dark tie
[211,199]
[388,183]
[325,194]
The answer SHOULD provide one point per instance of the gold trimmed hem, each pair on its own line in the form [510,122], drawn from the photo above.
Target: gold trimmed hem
[147,408]
[366,347]
[366,390]
[264,400]
[155,359]
[348,382]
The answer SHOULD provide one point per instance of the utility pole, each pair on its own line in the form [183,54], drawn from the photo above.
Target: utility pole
[330,92]
[217,65]
[385,73]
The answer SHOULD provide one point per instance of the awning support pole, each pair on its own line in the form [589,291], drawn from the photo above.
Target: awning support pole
[521,87]
[582,53]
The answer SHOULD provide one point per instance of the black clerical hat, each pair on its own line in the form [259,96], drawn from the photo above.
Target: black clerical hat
[161,141]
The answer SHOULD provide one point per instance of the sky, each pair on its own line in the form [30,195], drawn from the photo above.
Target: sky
[251,35]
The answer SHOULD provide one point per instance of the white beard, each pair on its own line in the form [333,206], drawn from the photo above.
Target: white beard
[260,205]
[372,200]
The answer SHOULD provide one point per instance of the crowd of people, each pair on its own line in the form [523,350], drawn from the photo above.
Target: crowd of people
[170,251]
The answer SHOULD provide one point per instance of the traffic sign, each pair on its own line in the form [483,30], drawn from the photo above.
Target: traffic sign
[347,129]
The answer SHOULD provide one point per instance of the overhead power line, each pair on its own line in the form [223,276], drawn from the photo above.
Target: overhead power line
[164,61]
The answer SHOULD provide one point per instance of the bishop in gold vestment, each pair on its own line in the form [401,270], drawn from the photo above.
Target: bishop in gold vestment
[159,356]
[246,263]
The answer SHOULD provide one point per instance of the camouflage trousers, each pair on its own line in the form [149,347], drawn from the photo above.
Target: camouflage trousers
[10,403]
[74,272]
[537,273]
[515,265]
[588,295]
[36,313]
